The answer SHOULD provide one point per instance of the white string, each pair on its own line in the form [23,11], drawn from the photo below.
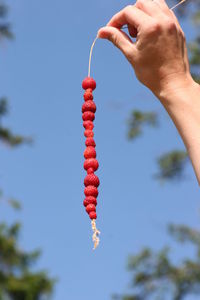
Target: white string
[96,233]
[177,4]
[91,55]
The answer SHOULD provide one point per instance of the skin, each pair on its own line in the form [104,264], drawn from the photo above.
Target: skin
[163,69]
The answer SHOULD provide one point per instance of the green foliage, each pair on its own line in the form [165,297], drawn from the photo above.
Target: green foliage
[196,77]
[5,28]
[11,139]
[17,280]
[156,276]
[138,119]
[3,10]
[196,18]
[6,135]
[195,52]
[5,31]
[171,165]
[184,234]
[14,204]
[3,106]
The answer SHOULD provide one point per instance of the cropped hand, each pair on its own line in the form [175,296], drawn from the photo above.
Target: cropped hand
[159,53]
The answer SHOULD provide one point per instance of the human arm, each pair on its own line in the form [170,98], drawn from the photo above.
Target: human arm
[159,58]
[183,106]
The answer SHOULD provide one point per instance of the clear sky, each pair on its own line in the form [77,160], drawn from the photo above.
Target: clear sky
[41,74]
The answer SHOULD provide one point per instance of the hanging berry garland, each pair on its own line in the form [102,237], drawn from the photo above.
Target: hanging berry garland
[91,164]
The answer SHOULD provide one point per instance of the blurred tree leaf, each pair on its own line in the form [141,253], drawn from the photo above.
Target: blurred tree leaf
[171,165]
[3,10]
[5,31]
[3,106]
[184,234]
[6,136]
[194,48]
[156,276]
[196,18]
[139,119]
[196,77]
[17,280]
[5,28]
[14,204]
[11,139]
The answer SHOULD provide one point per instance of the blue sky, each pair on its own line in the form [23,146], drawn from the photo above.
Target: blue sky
[41,74]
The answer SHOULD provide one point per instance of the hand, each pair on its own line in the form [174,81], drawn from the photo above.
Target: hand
[159,54]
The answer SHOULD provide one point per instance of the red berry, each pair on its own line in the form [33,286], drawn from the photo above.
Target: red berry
[91,190]
[92,215]
[88,95]
[90,142]
[91,179]
[89,83]
[90,152]
[90,171]
[88,125]
[90,207]
[88,116]
[89,90]
[89,106]
[90,200]
[88,133]
[91,163]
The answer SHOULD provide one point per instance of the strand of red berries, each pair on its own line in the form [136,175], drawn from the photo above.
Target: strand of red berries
[91,164]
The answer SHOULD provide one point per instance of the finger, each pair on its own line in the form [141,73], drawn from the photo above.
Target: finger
[119,38]
[163,5]
[129,15]
[149,7]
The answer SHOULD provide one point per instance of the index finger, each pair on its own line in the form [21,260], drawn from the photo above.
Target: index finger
[129,15]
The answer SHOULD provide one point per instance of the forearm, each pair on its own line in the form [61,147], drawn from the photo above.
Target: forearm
[183,106]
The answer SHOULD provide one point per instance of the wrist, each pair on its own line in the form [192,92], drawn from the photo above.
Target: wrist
[182,102]
[173,86]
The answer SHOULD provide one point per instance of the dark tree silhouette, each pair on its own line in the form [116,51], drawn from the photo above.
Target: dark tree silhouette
[17,279]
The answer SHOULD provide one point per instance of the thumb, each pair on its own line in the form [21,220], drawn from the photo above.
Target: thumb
[119,38]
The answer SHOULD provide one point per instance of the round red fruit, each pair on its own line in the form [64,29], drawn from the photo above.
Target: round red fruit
[90,207]
[89,106]
[88,125]
[91,179]
[92,215]
[89,90]
[91,190]
[90,171]
[90,152]
[90,200]
[88,95]
[91,163]
[90,142]
[88,133]
[88,116]
[89,83]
